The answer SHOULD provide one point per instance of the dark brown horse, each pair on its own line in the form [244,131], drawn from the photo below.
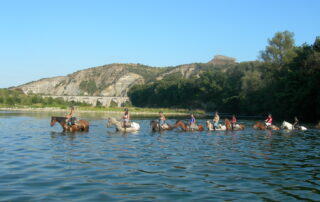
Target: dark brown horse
[82,125]
[155,126]
[259,126]
[262,126]
[185,127]
[236,127]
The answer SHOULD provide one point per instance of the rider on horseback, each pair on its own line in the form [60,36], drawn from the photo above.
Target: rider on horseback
[71,119]
[162,120]
[126,118]
[233,121]
[216,120]
[296,123]
[193,124]
[268,121]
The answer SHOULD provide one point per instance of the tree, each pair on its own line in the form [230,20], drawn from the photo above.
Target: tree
[280,50]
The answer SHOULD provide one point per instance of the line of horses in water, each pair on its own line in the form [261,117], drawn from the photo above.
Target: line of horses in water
[83,125]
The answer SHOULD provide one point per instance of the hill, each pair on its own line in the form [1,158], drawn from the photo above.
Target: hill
[114,80]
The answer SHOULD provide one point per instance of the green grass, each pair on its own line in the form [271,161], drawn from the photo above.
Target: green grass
[141,110]
[108,109]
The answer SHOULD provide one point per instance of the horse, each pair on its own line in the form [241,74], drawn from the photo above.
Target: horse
[211,128]
[185,127]
[82,125]
[134,127]
[261,126]
[155,126]
[289,126]
[235,127]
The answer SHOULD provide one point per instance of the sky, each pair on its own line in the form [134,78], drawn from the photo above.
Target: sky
[41,39]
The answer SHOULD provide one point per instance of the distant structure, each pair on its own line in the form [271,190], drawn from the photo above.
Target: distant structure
[94,100]
[222,60]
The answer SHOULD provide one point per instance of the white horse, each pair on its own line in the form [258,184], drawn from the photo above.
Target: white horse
[289,126]
[134,127]
[210,127]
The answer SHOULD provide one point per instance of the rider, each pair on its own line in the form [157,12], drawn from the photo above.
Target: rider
[193,124]
[216,120]
[296,123]
[162,120]
[126,118]
[233,121]
[71,119]
[268,121]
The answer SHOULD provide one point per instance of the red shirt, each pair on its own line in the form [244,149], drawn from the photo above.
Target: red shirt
[269,120]
[234,120]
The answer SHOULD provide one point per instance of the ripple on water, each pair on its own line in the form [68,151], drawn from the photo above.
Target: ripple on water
[41,163]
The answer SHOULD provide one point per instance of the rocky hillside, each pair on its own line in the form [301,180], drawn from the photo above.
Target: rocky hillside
[114,79]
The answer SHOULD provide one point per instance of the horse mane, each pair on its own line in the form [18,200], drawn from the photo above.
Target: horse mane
[59,118]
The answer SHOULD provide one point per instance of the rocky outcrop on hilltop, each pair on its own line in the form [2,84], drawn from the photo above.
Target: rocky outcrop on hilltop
[222,60]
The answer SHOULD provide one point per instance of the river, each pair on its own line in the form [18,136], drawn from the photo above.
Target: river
[39,163]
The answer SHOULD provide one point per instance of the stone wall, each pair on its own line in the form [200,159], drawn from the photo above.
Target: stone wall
[105,101]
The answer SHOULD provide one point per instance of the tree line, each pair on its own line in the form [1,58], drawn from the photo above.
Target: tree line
[284,81]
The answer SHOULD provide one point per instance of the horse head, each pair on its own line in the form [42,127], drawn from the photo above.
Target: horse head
[154,125]
[259,126]
[111,121]
[286,125]
[209,125]
[53,121]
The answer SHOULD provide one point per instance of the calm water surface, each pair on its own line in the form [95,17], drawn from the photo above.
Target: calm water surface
[39,163]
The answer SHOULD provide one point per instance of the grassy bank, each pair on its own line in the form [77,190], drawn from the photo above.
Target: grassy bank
[133,110]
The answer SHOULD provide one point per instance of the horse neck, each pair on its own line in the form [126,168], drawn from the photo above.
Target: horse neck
[61,121]
[116,123]
[182,125]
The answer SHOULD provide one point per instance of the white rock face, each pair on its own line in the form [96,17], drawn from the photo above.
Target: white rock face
[185,70]
[112,80]
[42,86]
[122,85]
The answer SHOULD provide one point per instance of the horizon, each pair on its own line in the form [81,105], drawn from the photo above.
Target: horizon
[49,39]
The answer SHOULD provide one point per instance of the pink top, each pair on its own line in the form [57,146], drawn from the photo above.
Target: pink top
[234,120]
[269,119]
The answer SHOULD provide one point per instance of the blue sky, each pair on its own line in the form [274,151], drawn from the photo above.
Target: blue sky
[40,39]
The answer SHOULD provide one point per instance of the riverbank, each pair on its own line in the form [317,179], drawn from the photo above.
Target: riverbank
[117,110]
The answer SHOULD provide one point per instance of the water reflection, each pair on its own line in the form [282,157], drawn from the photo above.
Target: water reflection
[40,162]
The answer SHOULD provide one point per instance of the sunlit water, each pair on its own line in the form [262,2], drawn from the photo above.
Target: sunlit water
[39,163]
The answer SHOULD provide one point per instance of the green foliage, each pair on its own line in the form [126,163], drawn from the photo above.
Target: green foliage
[113,104]
[98,104]
[280,49]
[88,86]
[286,84]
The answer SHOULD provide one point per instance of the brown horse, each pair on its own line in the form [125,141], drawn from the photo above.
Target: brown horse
[155,126]
[228,124]
[185,127]
[262,126]
[236,127]
[82,125]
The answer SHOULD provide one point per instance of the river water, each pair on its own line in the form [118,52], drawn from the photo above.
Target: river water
[39,163]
